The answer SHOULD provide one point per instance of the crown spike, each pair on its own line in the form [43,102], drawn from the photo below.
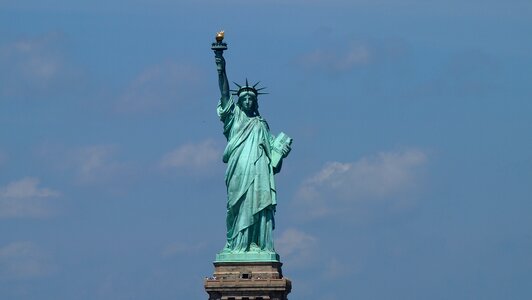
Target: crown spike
[248,88]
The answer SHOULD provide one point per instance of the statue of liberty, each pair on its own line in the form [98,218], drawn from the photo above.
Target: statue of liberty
[253,155]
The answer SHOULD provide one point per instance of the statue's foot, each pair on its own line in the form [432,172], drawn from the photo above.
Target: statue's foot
[254,248]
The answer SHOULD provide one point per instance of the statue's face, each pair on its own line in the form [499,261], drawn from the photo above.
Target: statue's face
[248,102]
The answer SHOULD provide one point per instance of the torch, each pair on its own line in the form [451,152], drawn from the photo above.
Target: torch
[219,46]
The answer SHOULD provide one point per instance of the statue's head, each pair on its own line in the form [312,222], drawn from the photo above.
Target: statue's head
[247,98]
[247,101]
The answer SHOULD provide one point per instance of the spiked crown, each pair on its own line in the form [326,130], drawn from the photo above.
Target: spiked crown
[248,88]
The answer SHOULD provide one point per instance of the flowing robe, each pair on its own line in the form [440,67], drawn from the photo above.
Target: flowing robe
[251,196]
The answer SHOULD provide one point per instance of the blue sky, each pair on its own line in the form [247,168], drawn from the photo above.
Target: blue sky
[410,175]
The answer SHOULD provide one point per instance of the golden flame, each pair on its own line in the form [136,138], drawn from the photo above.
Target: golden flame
[220,36]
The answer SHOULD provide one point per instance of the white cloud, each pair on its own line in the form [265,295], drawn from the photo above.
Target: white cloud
[335,268]
[335,54]
[296,247]
[158,86]
[340,187]
[36,66]
[23,260]
[193,156]
[24,198]
[97,164]
[26,188]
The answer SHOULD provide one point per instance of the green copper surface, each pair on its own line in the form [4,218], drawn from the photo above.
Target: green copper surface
[247,257]
[253,155]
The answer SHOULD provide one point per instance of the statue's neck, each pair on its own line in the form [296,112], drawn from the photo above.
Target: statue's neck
[251,114]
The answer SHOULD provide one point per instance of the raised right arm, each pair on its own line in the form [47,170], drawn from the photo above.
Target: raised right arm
[222,77]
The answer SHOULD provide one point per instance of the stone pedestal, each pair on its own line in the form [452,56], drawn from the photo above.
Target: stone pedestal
[247,281]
